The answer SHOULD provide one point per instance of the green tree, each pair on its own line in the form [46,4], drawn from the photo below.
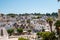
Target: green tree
[38,34]
[19,30]
[29,31]
[48,14]
[57,24]
[10,31]
[54,14]
[37,14]
[58,0]
[11,14]
[50,21]
[22,39]
[48,35]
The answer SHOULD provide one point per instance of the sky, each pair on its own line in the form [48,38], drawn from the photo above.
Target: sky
[29,6]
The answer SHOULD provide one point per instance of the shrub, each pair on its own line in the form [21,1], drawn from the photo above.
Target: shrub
[19,30]
[22,39]
[29,31]
[48,35]
[10,31]
[38,34]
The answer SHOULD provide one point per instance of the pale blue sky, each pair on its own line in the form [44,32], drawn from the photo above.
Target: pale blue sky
[29,6]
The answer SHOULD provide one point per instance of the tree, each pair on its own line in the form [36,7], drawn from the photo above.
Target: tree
[19,30]
[50,21]
[22,39]
[54,14]
[48,35]
[57,24]
[2,14]
[29,31]
[37,14]
[38,34]
[58,0]
[26,14]
[10,31]
[11,15]
[48,14]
